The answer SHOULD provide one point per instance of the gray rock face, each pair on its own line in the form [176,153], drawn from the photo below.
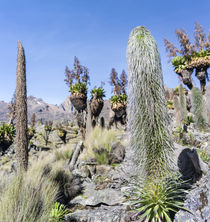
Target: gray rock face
[93,197]
[117,153]
[198,202]
[100,214]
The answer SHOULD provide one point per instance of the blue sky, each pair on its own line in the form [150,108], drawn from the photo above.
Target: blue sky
[96,31]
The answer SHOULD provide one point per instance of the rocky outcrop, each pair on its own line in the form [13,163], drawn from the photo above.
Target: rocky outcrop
[198,202]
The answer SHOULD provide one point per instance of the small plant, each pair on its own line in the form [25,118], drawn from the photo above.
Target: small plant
[7,132]
[47,129]
[31,132]
[98,92]
[204,155]
[178,133]
[61,132]
[170,104]
[75,131]
[58,213]
[156,200]
[176,90]
[48,126]
[63,154]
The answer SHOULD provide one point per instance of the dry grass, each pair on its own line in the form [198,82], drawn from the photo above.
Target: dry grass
[30,197]
[99,143]
[64,153]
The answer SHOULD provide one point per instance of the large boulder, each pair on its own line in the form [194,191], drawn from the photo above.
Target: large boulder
[189,165]
[117,154]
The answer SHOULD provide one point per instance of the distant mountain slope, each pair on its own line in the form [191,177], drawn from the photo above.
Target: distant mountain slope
[42,110]
[3,111]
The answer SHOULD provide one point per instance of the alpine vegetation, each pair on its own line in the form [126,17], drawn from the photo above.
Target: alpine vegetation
[183,106]
[148,120]
[199,109]
[21,111]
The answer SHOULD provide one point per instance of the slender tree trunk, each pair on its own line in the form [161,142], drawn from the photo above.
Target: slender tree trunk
[21,109]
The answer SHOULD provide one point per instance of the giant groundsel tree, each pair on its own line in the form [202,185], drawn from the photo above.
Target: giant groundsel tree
[147,112]
[191,56]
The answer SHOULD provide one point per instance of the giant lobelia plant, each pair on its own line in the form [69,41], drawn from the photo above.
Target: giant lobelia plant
[148,119]
[155,196]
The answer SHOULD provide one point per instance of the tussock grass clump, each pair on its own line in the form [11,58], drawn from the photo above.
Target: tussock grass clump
[99,143]
[63,154]
[29,197]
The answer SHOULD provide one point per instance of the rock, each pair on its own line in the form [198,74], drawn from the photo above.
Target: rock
[117,154]
[197,202]
[208,150]
[189,165]
[103,169]
[54,138]
[178,149]
[93,197]
[98,214]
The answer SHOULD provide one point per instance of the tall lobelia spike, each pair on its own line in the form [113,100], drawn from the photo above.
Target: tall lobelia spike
[21,111]
[148,119]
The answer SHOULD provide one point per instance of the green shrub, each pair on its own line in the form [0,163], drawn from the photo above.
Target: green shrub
[204,155]
[79,88]
[190,120]
[156,200]
[99,92]
[170,104]
[58,213]
[7,132]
